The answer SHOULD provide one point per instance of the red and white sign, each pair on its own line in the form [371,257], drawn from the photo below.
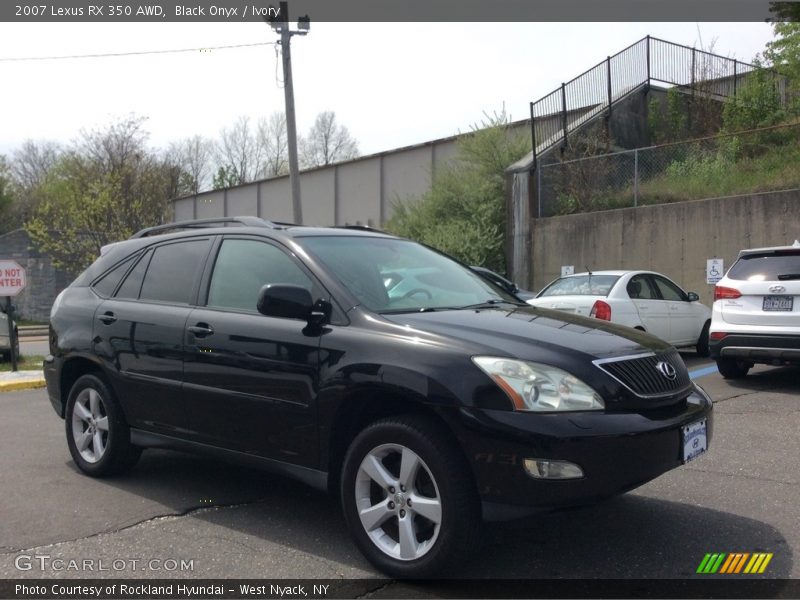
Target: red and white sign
[12,278]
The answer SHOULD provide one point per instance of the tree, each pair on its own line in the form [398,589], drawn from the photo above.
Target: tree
[274,141]
[783,53]
[7,222]
[239,151]
[105,187]
[28,168]
[225,177]
[192,155]
[327,142]
[463,213]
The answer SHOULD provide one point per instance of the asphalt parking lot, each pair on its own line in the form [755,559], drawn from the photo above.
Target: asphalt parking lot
[230,522]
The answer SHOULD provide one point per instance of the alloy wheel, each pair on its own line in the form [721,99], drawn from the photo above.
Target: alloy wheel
[90,425]
[398,502]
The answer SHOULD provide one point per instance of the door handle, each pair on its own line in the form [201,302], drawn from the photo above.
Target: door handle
[107,317]
[201,330]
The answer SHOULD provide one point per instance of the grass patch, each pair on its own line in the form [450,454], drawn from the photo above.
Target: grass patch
[32,362]
[750,163]
[775,169]
[30,323]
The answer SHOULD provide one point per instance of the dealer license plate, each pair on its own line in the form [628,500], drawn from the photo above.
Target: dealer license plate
[784,303]
[695,441]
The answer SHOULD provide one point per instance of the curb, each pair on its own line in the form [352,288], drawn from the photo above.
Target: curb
[11,383]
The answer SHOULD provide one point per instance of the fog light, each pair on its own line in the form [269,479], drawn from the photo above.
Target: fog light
[552,469]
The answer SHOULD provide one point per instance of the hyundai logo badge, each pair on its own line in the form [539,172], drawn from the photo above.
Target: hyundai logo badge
[667,370]
[777,289]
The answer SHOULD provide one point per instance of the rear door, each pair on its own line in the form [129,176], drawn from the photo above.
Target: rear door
[138,332]
[251,380]
[653,311]
[684,328]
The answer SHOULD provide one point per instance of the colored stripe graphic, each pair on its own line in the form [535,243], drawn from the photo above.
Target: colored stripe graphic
[711,563]
[733,563]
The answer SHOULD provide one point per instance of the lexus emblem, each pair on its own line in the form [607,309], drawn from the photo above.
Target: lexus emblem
[667,370]
[777,289]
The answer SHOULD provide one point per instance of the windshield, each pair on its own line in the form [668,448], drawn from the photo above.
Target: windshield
[580,285]
[394,275]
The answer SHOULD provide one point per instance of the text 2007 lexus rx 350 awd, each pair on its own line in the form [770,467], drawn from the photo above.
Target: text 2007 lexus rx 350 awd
[422,396]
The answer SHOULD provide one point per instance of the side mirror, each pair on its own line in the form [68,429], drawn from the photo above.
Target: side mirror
[285,300]
[693,297]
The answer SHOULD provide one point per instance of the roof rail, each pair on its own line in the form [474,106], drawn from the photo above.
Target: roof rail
[204,223]
[361,228]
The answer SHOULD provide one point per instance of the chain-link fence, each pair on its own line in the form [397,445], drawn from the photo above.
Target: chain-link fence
[752,161]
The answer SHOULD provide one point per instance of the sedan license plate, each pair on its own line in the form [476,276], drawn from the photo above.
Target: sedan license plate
[695,441]
[783,303]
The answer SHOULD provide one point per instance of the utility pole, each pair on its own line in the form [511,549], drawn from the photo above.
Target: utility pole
[280,23]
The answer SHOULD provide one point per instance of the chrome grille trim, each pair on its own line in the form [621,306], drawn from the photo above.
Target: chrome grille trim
[638,374]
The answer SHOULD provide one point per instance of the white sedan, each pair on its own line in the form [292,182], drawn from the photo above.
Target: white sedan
[640,299]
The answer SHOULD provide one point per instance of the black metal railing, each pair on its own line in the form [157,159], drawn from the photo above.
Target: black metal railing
[595,92]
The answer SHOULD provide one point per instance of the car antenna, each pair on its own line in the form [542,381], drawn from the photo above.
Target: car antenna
[590,274]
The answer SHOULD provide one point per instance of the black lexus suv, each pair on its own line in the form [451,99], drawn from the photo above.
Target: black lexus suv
[420,393]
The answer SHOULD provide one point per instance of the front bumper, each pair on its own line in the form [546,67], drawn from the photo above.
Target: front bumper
[617,451]
[766,348]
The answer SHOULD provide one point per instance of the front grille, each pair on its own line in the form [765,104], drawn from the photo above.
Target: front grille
[641,375]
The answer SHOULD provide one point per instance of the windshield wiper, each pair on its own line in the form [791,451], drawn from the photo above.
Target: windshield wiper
[490,303]
[788,276]
[400,311]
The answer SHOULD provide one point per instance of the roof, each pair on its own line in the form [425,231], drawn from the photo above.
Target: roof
[794,246]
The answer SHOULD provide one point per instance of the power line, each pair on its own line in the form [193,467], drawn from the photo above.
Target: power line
[138,53]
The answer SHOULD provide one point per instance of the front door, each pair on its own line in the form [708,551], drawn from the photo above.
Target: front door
[251,380]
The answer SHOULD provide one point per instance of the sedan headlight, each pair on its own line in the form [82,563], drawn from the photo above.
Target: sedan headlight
[537,387]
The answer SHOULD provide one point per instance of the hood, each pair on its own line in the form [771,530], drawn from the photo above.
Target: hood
[532,333]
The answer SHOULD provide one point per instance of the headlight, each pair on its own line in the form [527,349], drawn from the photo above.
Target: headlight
[539,388]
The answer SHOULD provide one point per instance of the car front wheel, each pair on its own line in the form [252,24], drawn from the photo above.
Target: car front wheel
[702,342]
[730,368]
[409,498]
[97,434]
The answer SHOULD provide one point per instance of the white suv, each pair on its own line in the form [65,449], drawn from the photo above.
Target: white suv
[756,312]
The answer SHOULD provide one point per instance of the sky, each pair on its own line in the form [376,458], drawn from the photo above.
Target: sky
[391,84]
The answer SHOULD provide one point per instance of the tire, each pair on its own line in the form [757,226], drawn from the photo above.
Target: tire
[404,540]
[97,435]
[731,368]
[702,342]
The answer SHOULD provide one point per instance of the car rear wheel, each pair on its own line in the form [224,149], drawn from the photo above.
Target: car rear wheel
[730,368]
[97,435]
[409,498]
[702,341]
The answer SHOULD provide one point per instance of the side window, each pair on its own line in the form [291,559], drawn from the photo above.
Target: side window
[639,288]
[173,271]
[244,266]
[133,282]
[106,285]
[669,291]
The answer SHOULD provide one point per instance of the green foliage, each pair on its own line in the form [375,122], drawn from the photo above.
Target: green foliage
[102,190]
[463,214]
[676,114]
[225,177]
[756,104]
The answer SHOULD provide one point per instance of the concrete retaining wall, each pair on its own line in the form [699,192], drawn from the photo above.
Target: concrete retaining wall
[674,239]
